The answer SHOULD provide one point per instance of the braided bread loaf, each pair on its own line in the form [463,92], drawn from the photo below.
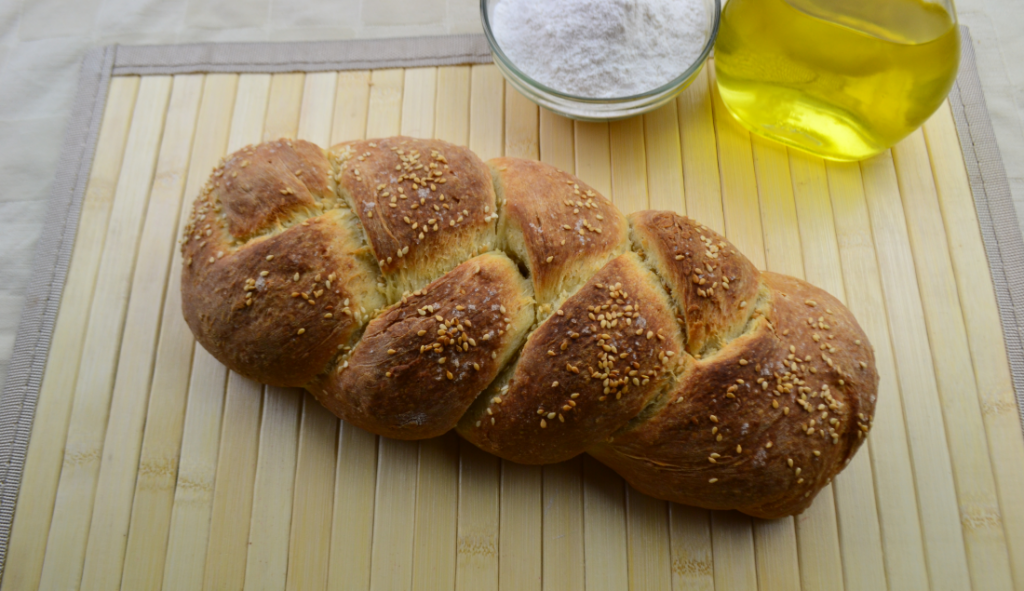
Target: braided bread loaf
[413,289]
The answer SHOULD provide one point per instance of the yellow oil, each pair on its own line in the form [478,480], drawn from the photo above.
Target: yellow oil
[844,79]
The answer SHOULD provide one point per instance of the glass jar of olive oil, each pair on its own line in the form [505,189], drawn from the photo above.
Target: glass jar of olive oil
[843,79]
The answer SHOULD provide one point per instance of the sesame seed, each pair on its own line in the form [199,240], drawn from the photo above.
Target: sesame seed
[712,480]
[301,331]
[270,257]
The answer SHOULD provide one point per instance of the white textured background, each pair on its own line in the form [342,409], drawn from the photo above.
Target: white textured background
[42,42]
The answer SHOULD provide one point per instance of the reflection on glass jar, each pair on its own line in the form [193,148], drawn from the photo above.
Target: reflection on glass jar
[843,79]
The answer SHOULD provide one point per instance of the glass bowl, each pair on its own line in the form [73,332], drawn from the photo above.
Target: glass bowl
[598,109]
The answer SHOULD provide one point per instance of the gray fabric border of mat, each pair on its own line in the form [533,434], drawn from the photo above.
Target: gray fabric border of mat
[992,199]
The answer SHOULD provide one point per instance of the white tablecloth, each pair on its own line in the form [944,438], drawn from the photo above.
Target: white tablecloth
[42,42]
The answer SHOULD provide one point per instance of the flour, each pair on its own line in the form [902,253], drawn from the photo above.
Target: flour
[601,48]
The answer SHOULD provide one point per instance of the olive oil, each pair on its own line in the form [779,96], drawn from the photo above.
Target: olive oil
[844,79]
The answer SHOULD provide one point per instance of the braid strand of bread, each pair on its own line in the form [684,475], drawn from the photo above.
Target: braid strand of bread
[413,288]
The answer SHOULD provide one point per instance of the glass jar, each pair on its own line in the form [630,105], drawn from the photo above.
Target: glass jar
[597,109]
[843,79]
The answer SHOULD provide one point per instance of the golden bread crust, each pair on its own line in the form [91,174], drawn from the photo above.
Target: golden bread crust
[587,369]
[425,205]
[421,363]
[713,284]
[278,308]
[741,428]
[567,229]
[264,185]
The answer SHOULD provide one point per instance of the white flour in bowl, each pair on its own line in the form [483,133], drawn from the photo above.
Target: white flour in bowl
[601,48]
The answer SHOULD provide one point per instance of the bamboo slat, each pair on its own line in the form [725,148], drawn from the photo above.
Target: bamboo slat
[195,494]
[520,514]
[936,492]
[356,463]
[692,561]
[477,543]
[266,562]
[437,514]
[419,96]
[965,430]
[316,115]
[477,552]
[984,331]
[486,108]
[350,104]
[267,559]
[604,492]
[283,106]
[53,411]
[774,541]
[701,182]
[604,527]
[888,448]
[309,547]
[629,165]
[165,416]
[774,564]
[648,541]
[563,483]
[312,502]
[647,536]
[451,117]
[437,497]
[231,509]
[122,444]
[384,109]
[732,545]
[437,492]
[593,155]
[395,506]
[522,125]
[72,512]
[352,527]
[692,557]
[664,159]
[846,507]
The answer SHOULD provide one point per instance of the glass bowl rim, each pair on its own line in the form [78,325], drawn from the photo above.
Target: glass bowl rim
[667,87]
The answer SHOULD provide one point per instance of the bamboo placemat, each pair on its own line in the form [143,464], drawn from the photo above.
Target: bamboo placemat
[150,465]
